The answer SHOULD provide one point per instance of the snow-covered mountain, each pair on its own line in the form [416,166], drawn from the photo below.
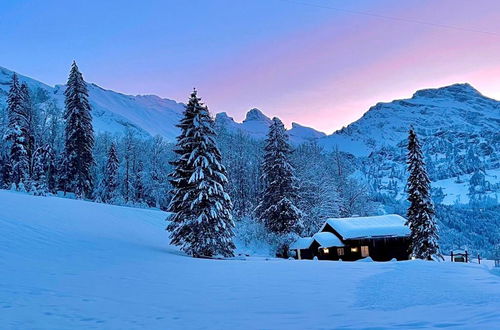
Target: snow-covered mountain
[458,107]
[113,112]
[149,114]
[458,126]
[460,132]
[256,125]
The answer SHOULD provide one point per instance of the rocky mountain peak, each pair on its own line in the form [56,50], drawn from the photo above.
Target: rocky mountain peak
[256,115]
[455,91]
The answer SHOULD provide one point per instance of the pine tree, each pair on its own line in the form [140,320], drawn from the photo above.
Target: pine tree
[201,223]
[51,169]
[420,215]
[79,139]
[39,177]
[277,208]
[111,174]
[6,172]
[29,123]
[139,183]
[17,133]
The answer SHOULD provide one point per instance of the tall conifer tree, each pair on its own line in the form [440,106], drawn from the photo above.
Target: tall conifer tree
[111,175]
[79,139]
[29,124]
[277,208]
[201,223]
[39,171]
[420,215]
[17,133]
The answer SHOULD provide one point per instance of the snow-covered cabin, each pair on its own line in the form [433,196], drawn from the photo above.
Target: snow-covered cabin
[380,237]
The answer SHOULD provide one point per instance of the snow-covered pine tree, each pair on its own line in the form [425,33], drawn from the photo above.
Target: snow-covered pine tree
[6,172]
[51,169]
[111,175]
[39,178]
[79,139]
[139,183]
[276,208]
[420,215]
[17,133]
[201,223]
[29,114]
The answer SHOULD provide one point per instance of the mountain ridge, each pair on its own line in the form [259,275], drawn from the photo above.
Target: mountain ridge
[149,114]
[460,147]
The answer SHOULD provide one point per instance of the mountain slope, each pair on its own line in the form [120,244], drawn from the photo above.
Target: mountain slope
[459,129]
[458,107]
[114,112]
[460,132]
[149,114]
[71,264]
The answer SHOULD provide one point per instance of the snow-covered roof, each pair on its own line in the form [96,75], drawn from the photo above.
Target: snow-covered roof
[389,225]
[302,243]
[326,239]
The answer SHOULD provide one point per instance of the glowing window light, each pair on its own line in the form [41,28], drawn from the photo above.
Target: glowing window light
[326,250]
[354,249]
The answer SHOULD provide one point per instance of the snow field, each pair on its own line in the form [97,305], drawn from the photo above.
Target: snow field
[75,264]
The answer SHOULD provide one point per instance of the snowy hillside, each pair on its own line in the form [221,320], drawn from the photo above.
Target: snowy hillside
[68,264]
[114,112]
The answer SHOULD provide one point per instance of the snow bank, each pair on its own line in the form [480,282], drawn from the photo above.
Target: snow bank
[69,264]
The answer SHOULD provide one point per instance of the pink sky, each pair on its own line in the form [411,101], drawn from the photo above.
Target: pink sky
[328,76]
[300,60]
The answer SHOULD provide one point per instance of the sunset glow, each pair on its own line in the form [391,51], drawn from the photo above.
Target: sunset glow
[319,63]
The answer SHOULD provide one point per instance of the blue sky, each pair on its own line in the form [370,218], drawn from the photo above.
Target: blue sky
[321,63]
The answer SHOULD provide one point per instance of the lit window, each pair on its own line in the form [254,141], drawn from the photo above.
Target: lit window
[364,251]
[325,250]
[354,249]
[340,251]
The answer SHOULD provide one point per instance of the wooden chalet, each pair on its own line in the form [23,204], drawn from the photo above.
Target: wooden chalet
[381,238]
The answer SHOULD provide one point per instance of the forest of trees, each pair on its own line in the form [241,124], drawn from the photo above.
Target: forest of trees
[47,150]
[38,154]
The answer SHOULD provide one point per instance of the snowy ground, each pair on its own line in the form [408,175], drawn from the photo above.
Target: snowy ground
[67,264]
